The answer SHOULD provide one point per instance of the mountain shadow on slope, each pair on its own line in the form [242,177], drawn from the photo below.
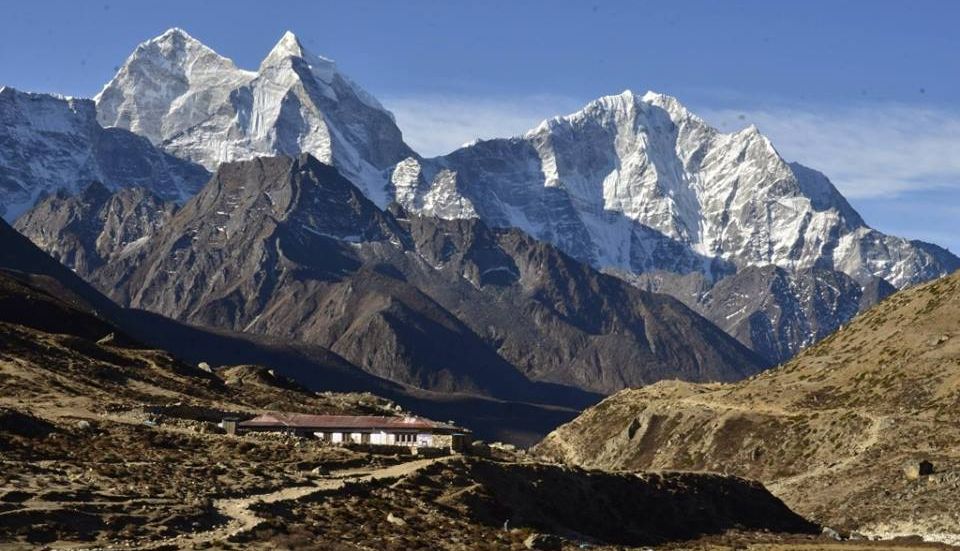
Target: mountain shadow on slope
[287,248]
[37,292]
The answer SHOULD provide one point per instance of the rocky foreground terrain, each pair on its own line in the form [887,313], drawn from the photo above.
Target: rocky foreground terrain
[107,444]
[838,433]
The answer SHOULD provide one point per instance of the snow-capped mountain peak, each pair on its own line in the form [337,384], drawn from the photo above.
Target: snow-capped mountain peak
[54,142]
[173,73]
[174,33]
[670,104]
[173,38]
[290,48]
[198,105]
[630,182]
[639,183]
[288,45]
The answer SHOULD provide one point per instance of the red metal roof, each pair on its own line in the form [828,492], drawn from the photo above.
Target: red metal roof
[329,422]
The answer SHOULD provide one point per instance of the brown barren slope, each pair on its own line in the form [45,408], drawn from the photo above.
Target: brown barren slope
[105,443]
[828,432]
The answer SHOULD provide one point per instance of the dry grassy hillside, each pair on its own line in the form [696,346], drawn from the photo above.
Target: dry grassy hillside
[829,432]
[107,444]
[104,440]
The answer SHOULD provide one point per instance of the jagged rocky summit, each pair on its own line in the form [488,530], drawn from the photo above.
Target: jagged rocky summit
[287,247]
[639,183]
[198,105]
[636,186]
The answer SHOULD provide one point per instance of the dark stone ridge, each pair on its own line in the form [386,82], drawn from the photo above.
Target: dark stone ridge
[773,311]
[287,248]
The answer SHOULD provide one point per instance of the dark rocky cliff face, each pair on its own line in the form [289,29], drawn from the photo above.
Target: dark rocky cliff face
[87,230]
[288,248]
[41,293]
[773,311]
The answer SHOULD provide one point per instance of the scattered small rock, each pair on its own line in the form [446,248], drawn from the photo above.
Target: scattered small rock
[938,340]
[831,533]
[204,366]
[479,447]
[395,520]
[543,542]
[83,425]
[913,471]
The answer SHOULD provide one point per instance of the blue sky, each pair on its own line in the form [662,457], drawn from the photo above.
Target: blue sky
[867,92]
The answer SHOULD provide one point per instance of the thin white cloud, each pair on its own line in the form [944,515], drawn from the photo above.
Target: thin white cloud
[880,151]
[436,124]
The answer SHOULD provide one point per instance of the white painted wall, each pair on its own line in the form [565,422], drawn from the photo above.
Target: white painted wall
[382,438]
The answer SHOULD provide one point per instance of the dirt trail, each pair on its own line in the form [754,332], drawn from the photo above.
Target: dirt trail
[877,423]
[767,409]
[242,518]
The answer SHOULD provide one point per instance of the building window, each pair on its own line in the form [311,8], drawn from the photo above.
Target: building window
[406,438]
